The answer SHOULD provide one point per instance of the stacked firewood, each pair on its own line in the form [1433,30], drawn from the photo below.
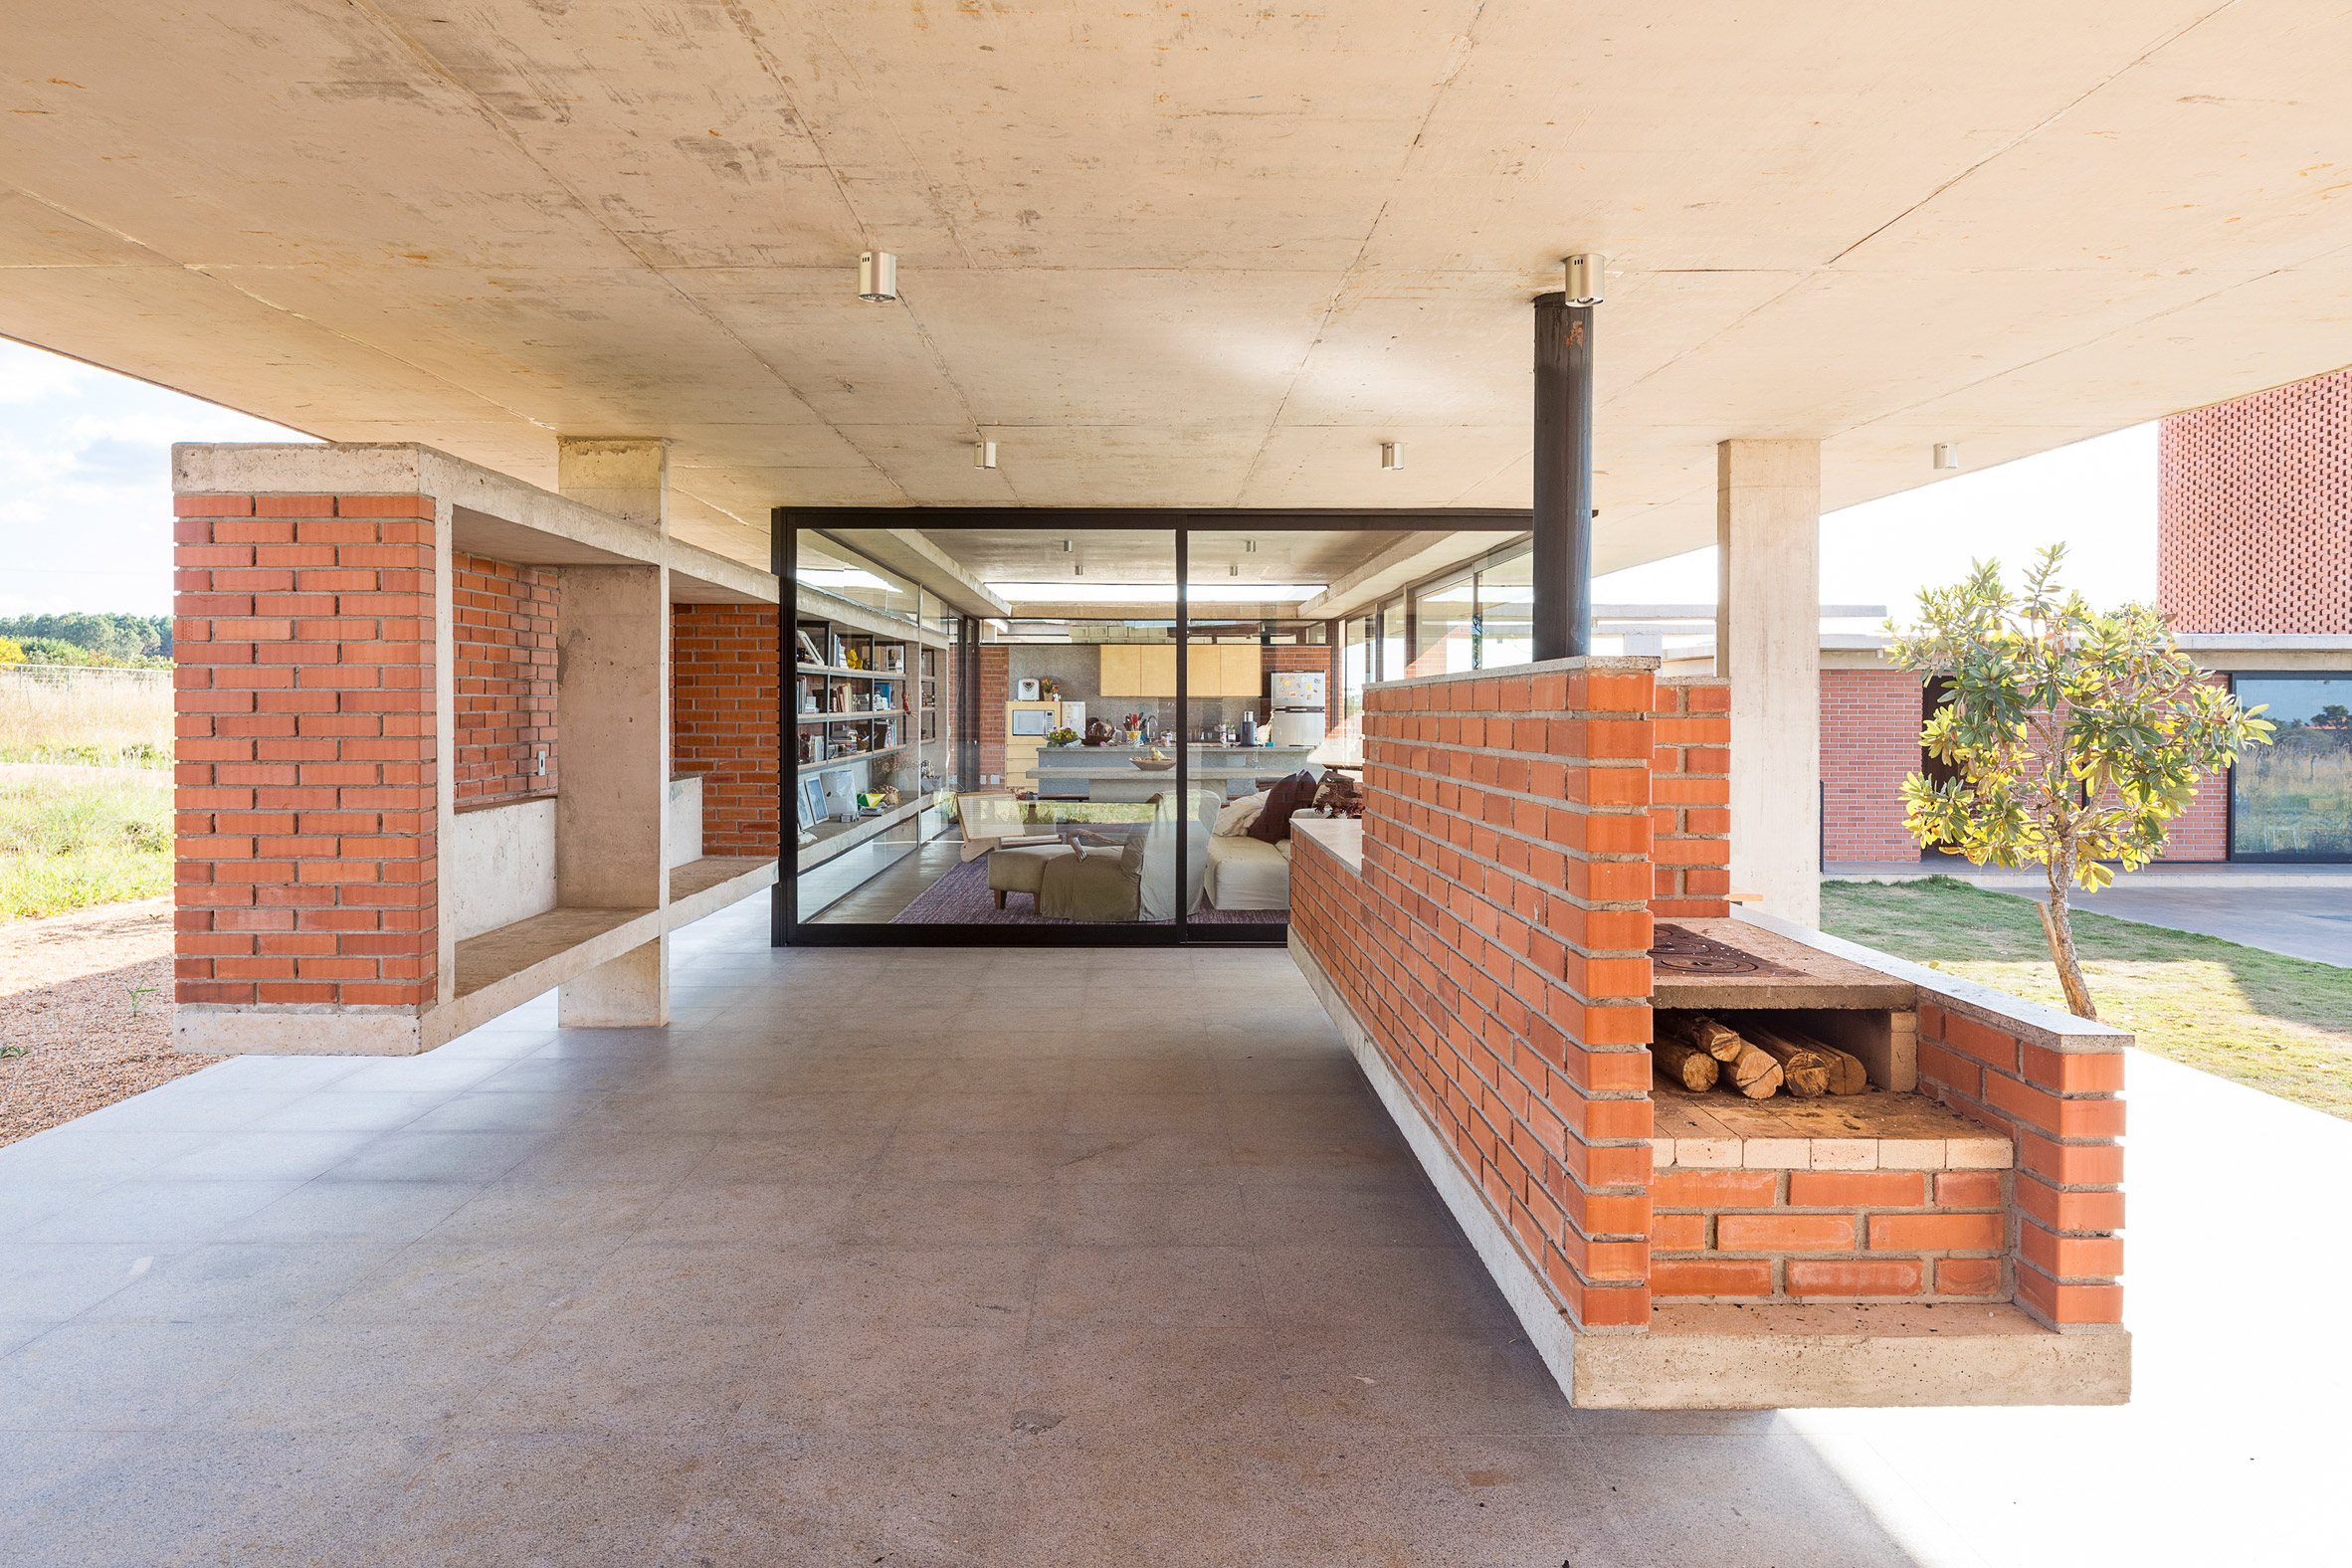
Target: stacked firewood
[1756,1060]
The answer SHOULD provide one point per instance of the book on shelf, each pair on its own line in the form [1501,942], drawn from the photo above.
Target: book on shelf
[840,658]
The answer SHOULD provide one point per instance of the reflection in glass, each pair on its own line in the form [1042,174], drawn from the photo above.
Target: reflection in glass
[1446,626]
[1506,611]
[2292,799]
[830,568]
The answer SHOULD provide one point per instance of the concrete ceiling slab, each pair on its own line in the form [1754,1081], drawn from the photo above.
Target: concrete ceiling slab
[1182,257]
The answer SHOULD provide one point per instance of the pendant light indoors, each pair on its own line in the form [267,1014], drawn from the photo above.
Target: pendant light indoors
[878,276]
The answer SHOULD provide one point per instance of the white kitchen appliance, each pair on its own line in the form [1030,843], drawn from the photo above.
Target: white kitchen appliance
[1299,708]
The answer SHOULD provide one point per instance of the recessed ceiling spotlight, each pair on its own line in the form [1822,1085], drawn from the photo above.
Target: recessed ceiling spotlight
[1586,278]
[878,276]
[1947,454]
[1391,455]
[984,454]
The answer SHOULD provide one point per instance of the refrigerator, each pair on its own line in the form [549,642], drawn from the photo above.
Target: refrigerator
[1299,708]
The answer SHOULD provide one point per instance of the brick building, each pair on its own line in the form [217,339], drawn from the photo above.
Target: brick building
[2254,564]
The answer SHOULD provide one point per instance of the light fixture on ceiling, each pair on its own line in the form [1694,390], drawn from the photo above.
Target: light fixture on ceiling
[1391,455]
[1248,547]
[1234,571]
[1947,454]
[1077,568]
[984,454]
[1586,276]
[1066,546]
[878,276]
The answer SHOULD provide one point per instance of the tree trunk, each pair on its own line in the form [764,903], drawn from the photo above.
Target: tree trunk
[2057,926]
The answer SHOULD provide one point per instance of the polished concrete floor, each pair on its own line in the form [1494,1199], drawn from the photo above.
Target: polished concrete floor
[983,1257]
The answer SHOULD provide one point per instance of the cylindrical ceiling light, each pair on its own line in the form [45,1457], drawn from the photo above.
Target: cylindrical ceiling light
[1587,278]
[878,276]
[1391,455]
[1947,454]
[984,454]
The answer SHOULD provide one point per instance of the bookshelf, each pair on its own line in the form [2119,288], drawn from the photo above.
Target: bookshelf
[853,694]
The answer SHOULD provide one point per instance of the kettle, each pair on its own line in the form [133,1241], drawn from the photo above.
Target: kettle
[1249,729]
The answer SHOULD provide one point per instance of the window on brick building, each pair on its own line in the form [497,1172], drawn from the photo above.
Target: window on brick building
[2292,799]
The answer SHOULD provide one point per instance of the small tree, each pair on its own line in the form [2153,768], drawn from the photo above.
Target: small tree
[2076,736]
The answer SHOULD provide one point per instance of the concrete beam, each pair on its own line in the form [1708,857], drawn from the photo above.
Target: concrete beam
[1768,645]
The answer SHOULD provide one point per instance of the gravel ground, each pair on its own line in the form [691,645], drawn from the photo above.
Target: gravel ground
[66,988]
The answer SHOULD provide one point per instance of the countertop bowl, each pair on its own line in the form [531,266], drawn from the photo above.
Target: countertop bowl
[1151,766]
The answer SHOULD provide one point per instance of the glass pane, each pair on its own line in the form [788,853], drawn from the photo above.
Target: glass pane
[833,569]
[1506,611]
[1355,670]
[2292,799]
[1444,628]
[1391,664]
[1034,825]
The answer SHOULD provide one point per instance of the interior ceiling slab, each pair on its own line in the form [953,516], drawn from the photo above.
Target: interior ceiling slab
[1183,256]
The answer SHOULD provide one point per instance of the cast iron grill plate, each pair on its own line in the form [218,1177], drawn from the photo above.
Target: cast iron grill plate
[1681,952]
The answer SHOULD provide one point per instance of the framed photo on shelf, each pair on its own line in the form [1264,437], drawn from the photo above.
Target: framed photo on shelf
[810,653]
[812,802]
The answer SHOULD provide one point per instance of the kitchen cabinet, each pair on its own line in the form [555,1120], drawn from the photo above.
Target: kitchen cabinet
[1212,670]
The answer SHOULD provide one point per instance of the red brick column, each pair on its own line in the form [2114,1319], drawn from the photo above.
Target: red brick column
[2057,1097]
[996,690]
[1690,798]
[724,720]
[1495,950]
[307,776]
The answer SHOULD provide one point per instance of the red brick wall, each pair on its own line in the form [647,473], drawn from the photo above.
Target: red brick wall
[2062,1111]
[2254,512]
[503,637]
[1497,950]
[306,780]
[1869,742]
[725,722]
[1690,798]
[996,690]
[1793,1235]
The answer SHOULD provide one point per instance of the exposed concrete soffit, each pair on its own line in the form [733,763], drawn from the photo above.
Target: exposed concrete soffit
[492,514]
[909,554]
[1409,560]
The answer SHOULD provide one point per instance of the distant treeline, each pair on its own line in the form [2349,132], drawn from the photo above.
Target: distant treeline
[81,638]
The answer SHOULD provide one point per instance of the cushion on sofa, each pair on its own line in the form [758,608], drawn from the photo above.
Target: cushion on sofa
[1248,874]
[1288,796]
[1235,815]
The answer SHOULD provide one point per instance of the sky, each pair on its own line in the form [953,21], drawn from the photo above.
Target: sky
[86,507]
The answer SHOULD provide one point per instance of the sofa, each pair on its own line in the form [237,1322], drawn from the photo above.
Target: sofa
[1248,874]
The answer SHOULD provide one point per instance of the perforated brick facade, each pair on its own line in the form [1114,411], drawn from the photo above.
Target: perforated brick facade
[308,854]
[2255,513]
[503,647]
[726,724]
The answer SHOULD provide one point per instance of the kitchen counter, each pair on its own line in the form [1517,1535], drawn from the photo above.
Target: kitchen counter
[1110,773]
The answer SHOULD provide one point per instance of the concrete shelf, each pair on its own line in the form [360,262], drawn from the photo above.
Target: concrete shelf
[850,719]
[854,756]
[836,837]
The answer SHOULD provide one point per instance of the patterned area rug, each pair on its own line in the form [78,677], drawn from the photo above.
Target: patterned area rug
[961,897]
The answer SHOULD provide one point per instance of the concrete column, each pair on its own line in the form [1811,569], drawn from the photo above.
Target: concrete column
[612,712]
[1768,645]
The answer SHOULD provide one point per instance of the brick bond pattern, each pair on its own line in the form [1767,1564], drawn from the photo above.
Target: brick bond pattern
[1690,798]
[502,650]
[2254,512]
[726,721]
[1791,1235]
[1497,950]
[308,771]
[1869,743]
[2063,1112]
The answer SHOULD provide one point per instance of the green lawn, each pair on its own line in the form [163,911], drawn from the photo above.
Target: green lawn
[66,846]
[2281,1025]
